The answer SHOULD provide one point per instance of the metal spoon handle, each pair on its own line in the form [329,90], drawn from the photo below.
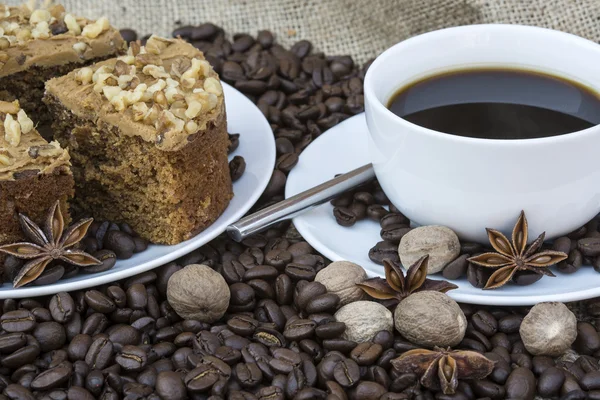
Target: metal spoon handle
[299,203]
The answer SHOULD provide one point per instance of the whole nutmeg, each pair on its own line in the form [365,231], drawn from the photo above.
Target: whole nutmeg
[430,319]
[363,320]
[439,242]
[341,277]
[198,292]
[548,329]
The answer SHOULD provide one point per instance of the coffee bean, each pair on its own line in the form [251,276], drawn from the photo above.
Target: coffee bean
[322,303]
[107,258]
[270,393]
[50,276]
[78,347]
[376,212]
[541,364]
[237,167]
[393,218]
[99,354]
[384,250]
[50,335]
[300,272]
[22,356]
[120,243]
[484,322]
[266,272]
[79,393]
[269,337]
[242,325]
[53,377]
[299,329]
[457,268]
[589,247]
[510,324]
[17,321]
[521,384]
[131,358]
[204,31]
[184,31]
[247,374]
[366,353]
[562,244]
[17,392]
[587,341]
[283,289]
[330,330]
[344,216]
[477,276]
[368,390]
[99,301]
[394,233]
[346,373]
[10,342]
[550,382]
[590,381]
[486,388]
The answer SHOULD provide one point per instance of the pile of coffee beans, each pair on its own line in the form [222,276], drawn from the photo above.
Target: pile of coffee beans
[370,202]
[278,339]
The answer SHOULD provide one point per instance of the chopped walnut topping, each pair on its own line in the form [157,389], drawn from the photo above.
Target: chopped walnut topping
[9,108]
[93,30]
[41,31]
[129,60]
[5,160]
[121,68]
[23,34]
[173,97]
[57,10]
[156,71]
[193,109]
[84,75]
[72,25]
[12,131]
[111,91]
[14,128]
[211,85]
[143,59]
[134,49]
[159,98]
[139,111]
[51,149]
[80,48]
[152,114]
[179,66]
[25,122]
[191,127]
[38,16]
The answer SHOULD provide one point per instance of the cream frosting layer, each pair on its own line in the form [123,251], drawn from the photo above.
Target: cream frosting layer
[51,37]
[164,93]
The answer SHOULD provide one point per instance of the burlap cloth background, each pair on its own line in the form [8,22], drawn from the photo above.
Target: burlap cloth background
[361,28]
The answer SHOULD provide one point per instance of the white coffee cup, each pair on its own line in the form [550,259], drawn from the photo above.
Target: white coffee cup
[469,184]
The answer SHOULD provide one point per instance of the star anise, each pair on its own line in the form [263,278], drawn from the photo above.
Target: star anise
[396,287]
[52,242]
[516,256]
[440,369]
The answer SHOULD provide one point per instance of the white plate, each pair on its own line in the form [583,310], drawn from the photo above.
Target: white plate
[257,146]
[344,148]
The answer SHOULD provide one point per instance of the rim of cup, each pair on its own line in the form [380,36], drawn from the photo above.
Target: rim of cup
[380,106]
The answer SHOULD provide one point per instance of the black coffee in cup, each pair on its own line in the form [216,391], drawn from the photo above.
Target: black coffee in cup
[499,103]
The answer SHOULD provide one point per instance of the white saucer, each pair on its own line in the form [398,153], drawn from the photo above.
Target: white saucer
[257,146]
[344,148]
